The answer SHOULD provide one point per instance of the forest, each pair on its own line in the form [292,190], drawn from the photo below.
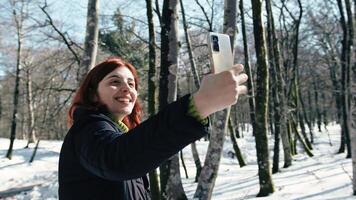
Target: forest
[299,56]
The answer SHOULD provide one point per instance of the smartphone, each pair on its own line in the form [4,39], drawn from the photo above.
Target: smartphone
[221,56]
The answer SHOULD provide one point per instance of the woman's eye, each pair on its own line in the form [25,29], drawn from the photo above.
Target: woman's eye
[132,84]
[115,82]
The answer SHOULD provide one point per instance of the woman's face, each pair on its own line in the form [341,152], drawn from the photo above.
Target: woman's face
[117,91]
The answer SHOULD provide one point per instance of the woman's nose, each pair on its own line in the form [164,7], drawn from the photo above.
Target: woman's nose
[125,87]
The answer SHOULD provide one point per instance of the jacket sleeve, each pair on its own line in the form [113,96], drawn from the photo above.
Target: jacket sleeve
[107,154]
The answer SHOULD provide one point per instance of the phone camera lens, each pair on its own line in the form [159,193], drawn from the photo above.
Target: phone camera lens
[215,41]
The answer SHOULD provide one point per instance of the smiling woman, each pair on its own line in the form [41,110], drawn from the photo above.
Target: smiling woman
[117,91]
[107,151]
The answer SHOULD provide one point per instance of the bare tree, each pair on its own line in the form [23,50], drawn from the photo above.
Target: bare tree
[278,94]
[250,85]
[261,99]
[210,169]
[197,84]
[154,183]
[31,133]
[345,73]
[171,183]
[18,16]
[91,39]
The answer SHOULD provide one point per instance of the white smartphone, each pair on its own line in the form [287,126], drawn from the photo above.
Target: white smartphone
[221,56]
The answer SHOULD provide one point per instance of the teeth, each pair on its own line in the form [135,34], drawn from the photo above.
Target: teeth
[124,99]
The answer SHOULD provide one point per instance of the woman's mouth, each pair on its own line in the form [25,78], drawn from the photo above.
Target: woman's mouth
[123,100]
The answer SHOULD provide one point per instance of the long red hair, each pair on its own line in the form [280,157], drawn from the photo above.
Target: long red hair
[86,94]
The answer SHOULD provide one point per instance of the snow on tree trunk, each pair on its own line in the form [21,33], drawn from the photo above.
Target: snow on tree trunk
[261,99]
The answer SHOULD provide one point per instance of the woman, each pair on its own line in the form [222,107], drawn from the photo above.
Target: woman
[107,151]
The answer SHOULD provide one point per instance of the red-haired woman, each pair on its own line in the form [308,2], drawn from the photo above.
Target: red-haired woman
[107,152]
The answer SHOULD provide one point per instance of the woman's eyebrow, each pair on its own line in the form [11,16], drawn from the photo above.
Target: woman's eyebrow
[120,77]
[114,76]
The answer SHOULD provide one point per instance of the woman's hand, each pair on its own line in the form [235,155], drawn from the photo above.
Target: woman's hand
[219,91]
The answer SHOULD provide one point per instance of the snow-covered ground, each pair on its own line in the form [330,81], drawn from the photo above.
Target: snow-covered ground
[327,175]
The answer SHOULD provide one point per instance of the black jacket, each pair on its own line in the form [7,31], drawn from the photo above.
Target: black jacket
[98,161]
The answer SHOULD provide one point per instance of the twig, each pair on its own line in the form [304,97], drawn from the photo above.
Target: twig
[343,168]
[68,43]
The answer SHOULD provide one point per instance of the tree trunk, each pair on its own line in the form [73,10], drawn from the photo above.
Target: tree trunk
[305,117]
[183,164]
[235,145]
[351,26]
[248,70]
[316,99]
[153,176]
[212,161]
[210,169]
[91,39]
[197,84]
[34,152]
[31,135]
[18,17]
[300,138]
[295,104]
[261,99]
[189,47]
[344,79]
[196,161]
[280,112]
[171,183]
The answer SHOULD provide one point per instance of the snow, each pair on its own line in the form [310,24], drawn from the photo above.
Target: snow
[327,175]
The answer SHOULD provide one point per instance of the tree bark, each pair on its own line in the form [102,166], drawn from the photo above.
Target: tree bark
[31,134]
[212,161]
[189,47]
[171,183]
[197,85]
[344,79]
[247,65]
[34,152]
[305,117]
[210,169]
[280,111]
[351,26]
[18,18]
[91,39]
[153,176]
[235,145]
[261,99]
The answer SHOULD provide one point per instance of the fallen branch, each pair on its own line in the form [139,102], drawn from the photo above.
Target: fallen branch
[17,190]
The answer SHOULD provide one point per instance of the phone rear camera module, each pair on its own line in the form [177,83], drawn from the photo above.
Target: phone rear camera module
[215,41]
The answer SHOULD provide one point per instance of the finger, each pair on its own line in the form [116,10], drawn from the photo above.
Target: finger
[242,89]
[237,69]
[241,79]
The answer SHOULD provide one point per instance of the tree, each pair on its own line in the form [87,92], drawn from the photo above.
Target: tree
[154,183]
[345,73]
[171,183]
[261,99]
[31,133]
[121,40]
[352,63]
[278,94]
[91,39]
[250,85]
[210,169]
[18,16]
[197,84]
